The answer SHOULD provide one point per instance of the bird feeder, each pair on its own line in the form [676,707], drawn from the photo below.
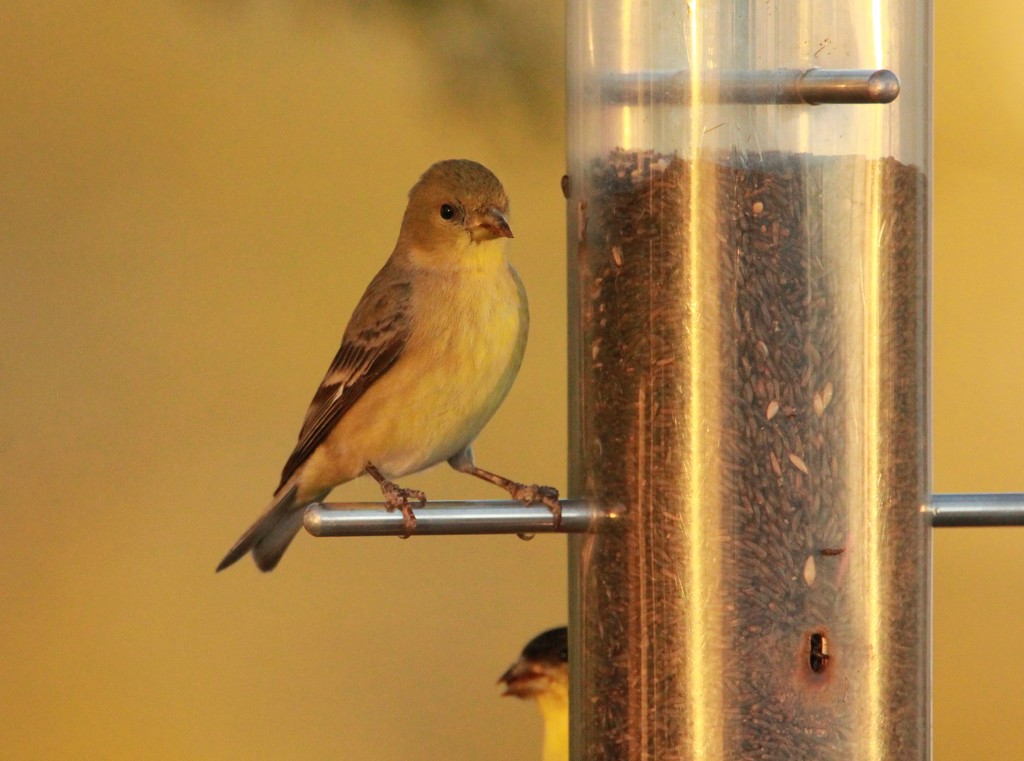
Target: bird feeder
[749,236]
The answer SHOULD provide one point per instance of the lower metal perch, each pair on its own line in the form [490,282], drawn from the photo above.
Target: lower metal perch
[961,510]
[449,518]
[509,517]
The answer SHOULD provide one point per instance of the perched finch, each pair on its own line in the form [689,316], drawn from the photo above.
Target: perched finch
[542,673]
[429,354]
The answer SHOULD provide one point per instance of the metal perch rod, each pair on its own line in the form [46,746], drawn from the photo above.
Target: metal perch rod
[509,517]
[959,510]
[793,86]
[449,518]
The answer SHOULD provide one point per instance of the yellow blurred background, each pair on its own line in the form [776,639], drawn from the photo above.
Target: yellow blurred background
[192,197]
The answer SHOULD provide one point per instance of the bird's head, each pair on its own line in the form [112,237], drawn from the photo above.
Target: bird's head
[542,667]
[456,205]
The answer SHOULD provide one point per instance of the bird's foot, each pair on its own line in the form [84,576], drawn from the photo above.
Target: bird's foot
[528,494]
[398,498]
[532,494]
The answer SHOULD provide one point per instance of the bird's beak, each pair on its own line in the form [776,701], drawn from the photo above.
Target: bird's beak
[522,679]
[489,224]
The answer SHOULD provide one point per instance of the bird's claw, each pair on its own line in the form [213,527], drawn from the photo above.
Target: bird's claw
[398,498]
[532,494]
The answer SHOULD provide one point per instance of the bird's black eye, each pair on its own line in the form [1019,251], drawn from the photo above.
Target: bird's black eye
[447,211]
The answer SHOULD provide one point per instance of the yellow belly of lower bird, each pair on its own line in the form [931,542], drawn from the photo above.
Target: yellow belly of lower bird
[451,377]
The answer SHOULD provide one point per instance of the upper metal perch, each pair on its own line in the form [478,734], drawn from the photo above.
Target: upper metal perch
[805,87]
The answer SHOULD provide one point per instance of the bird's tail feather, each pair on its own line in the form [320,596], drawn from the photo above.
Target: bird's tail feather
[271,534]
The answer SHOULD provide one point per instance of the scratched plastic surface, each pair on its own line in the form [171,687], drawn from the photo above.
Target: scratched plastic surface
[750,365]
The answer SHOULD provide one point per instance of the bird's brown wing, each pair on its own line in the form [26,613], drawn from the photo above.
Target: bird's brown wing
[373,342]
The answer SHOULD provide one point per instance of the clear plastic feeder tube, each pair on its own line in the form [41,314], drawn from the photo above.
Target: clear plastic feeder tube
[749,274]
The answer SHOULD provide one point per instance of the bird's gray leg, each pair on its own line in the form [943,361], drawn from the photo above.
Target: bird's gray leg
[528,494]
[397,498]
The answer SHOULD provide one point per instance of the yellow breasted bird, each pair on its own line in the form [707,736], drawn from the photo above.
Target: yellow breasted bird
[542,674]
[429,353]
